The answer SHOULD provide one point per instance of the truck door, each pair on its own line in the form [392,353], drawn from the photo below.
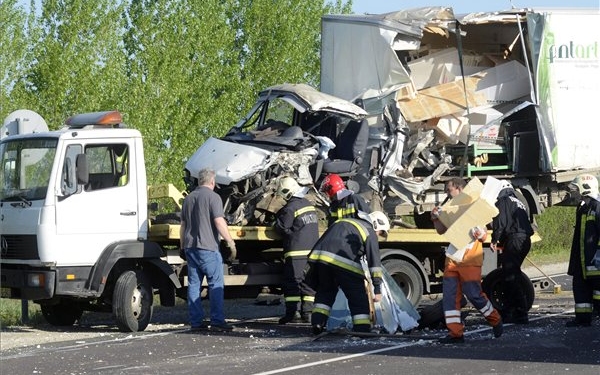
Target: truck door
[103,211]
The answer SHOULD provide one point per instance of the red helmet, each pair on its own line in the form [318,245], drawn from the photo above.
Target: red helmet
[331,184]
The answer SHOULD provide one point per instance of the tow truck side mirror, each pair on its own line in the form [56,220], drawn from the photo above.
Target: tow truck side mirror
[82,170]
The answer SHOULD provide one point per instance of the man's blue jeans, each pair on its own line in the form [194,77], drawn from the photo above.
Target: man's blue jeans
[203,263]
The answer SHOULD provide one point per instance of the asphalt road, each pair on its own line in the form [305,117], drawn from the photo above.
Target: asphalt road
[259,346]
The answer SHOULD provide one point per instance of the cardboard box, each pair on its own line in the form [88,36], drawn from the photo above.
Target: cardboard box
[406,92]
[502,83]
[443,66]
[506,82]
[431,70]
[451,129]
[467,210]
[442,100]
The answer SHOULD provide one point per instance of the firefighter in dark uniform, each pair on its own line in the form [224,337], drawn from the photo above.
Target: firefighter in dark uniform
[584,263]
[344,203]
[297,222]
[512,233]
[336,261]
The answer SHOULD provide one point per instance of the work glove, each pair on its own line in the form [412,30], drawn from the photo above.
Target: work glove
[478,233]
[232,251]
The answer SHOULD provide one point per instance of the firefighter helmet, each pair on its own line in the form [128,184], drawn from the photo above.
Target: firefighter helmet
[505,184]
[287,187]
[379,221]
[331,184]
[585,185]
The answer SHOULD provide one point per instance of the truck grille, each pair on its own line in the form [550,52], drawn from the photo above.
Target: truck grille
[19,247]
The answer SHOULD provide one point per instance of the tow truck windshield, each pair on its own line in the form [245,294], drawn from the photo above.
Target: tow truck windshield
[25,168]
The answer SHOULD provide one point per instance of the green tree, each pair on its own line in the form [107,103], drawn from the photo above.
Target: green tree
[15,54]
[195,68]
[79,59]
[279,42]
[181,78]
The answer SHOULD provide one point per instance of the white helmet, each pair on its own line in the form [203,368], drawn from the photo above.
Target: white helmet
[287,187]
[585,185]
[379,221]
[505,184]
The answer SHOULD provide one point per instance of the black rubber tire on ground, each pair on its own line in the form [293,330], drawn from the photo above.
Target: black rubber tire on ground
[407,277]
[432,316]
[132,301]
[63,314]
[493,284]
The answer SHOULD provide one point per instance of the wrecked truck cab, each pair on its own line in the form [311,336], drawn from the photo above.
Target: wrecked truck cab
[293,130]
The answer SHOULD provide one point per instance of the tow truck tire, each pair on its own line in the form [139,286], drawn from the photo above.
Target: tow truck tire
[407,277]
[132,301]
[493,286]
[62,314]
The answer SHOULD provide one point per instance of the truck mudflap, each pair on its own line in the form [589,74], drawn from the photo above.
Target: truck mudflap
[167,270]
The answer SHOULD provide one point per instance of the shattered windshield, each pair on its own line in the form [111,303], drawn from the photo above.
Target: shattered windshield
[276,113]
[25,168]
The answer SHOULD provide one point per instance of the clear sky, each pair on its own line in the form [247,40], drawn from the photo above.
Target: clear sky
[467,6]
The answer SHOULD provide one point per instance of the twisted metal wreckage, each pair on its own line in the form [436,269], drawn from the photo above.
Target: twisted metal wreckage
[408,98]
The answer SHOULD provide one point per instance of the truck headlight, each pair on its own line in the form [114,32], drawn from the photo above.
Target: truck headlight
[35,279]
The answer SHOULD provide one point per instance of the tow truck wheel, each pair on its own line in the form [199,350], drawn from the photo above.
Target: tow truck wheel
[407,278]
[493,286]
[132,301]
[62,314]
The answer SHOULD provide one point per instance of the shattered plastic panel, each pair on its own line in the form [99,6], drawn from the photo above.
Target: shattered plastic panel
[232,162]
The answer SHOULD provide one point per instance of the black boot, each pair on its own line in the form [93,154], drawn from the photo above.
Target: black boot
[306,311]
[294,317]
[317,329]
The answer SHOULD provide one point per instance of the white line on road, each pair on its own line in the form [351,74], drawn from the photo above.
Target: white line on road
[286,369]
[404,345]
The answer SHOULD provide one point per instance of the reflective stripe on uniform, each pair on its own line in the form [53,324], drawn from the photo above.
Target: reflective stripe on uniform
[363,232]
[487,309]
[341,212]
[308,298]
[292,298]
[452,316]
[304,210]
[321,308]
[376,272]
[592,271]
[296,253]
[361,319]
[339,261]
[583,308]
[596,295]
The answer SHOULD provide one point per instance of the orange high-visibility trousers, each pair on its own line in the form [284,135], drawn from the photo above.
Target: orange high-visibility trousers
[459,279]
